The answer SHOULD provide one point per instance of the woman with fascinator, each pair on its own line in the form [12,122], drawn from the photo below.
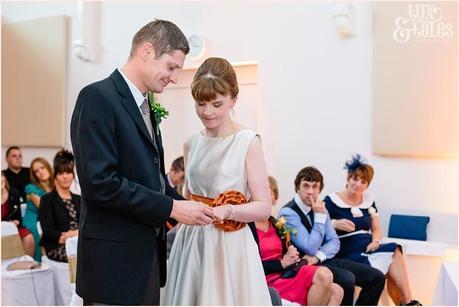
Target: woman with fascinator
[355,218]
[60,209]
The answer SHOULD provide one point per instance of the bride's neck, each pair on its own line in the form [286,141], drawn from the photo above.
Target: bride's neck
[228,128]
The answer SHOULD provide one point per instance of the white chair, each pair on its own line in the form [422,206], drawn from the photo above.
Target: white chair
[288,303]
[61,276]
[71,245]
[23,287]
[23,209]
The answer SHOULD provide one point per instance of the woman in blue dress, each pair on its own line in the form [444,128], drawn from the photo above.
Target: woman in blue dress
[41,175]
[355,218]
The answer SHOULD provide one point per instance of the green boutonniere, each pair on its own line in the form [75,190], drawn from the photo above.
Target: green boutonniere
[159,111]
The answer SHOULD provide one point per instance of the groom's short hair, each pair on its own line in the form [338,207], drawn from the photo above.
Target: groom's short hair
[164,35]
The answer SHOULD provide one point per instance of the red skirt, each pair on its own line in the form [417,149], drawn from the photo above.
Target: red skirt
[294,289]
[23,232]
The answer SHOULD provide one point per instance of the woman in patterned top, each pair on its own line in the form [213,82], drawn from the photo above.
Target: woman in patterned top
[60,209]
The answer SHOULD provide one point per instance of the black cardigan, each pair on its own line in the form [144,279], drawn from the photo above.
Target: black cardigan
[269,266]
[14,207]
[54,218]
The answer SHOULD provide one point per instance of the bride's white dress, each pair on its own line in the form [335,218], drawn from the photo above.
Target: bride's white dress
[208,266]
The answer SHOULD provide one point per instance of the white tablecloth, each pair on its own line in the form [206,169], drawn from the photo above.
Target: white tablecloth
[446,291]
[27,287]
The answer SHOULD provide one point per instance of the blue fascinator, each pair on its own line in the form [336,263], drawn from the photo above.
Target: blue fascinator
[356,161]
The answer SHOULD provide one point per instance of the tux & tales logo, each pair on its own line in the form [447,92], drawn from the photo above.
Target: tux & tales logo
[423,23]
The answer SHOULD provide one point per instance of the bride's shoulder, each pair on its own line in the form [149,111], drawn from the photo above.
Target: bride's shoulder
[190,139]
[248,133]
[243,130]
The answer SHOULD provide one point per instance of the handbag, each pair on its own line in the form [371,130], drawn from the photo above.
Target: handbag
[23,265]
[293,269]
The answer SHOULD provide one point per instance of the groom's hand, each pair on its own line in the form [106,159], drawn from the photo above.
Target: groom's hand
[192,212]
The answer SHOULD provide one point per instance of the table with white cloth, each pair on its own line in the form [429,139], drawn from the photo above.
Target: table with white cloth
[446,291]
[27,287]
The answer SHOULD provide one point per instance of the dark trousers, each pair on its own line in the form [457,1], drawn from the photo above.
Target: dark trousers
[349,274]
[151,295]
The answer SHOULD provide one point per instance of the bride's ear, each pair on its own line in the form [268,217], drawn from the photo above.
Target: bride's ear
[233,101]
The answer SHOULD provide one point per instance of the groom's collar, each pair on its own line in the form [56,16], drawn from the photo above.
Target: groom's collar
[136,93]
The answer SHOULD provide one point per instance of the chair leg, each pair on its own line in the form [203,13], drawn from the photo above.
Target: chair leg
[275,297]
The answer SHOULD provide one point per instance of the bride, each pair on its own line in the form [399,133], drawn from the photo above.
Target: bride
[208,265]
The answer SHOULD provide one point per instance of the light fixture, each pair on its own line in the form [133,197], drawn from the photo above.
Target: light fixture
[344,19]
[87,43]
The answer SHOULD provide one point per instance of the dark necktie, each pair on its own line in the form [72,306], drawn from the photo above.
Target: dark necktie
[311,217]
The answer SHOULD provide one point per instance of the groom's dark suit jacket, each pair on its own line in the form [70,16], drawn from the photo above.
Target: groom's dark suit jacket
[122,209]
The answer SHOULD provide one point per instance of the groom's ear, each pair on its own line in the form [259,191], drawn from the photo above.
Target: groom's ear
[146,50]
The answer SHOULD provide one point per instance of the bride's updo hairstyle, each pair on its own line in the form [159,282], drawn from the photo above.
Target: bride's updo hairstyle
[214,76]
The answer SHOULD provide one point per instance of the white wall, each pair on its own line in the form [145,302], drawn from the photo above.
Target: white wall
[315,87]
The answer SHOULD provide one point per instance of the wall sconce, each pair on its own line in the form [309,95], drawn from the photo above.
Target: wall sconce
[344,19]
[87,43]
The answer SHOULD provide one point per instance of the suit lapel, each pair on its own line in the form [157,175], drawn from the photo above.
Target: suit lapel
[129,104]
[158,139]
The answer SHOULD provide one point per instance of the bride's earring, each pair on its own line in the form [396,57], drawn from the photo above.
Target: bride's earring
[232,112]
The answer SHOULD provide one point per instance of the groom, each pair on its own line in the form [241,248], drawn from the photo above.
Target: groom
[119,159]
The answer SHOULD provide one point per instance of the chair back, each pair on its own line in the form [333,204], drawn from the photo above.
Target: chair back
[23,209]
[40,234]
[71,249]
[11,241]
[39,229]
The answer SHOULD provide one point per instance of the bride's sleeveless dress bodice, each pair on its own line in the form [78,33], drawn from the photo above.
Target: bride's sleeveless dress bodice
[208,266]
[217,164]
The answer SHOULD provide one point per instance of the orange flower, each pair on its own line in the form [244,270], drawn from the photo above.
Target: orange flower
[284,231]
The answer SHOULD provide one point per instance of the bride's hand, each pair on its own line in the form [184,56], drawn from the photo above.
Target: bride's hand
[221,213]
[191,212]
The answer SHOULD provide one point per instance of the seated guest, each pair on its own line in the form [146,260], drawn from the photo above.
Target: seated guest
[41,177]
[60,209]
[312,285]
[317,239]
[176,175]
[355,218]
[176,179]
[274,189]
[11,212]
[18,176]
